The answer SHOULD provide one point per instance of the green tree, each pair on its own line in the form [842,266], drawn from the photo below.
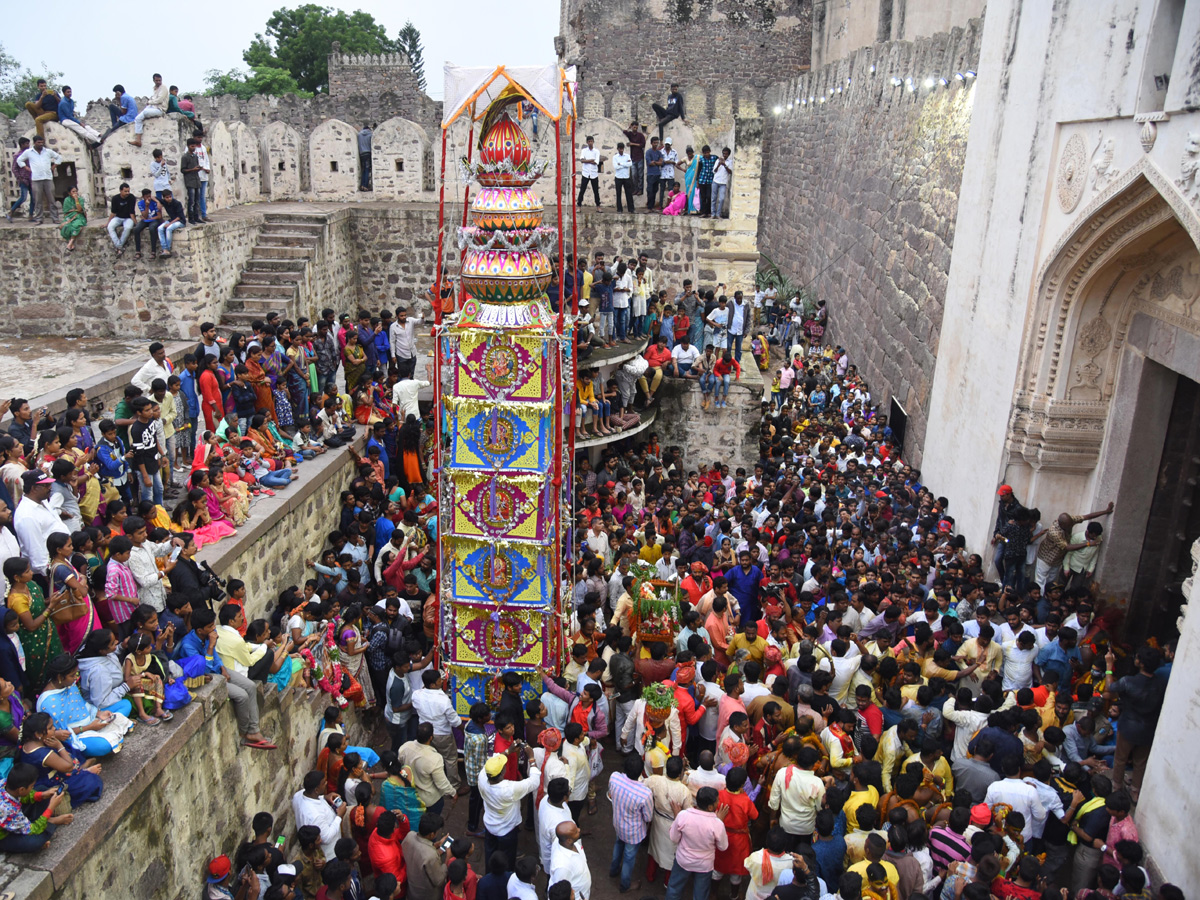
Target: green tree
[410,43]
[265,80]
[17,86]
[299,41]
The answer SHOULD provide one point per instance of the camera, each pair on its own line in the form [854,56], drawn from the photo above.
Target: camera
[215,586]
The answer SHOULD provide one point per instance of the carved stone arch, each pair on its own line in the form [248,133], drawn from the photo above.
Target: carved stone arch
[1098,276]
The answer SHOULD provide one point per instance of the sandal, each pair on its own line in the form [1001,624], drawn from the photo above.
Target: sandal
[166,716]
[259,745]
[137,256]
[151,721]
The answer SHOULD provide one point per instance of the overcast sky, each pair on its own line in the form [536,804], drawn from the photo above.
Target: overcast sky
[81,38]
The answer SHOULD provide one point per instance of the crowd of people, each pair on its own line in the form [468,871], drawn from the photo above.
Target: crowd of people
[111,621]
[845,704]
[155,207]
[792,678]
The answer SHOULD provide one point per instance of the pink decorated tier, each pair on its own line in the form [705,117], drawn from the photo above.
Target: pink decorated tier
[508,208]
[505,276]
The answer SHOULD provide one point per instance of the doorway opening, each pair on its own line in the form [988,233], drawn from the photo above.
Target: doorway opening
[1173,524]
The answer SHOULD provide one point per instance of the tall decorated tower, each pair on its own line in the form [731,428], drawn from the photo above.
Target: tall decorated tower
[504,357]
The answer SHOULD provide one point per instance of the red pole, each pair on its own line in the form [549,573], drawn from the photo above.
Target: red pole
[437,293]
[562,262]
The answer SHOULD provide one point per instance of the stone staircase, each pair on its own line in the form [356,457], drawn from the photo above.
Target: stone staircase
[276,271]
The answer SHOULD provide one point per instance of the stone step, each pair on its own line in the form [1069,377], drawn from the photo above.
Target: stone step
[279,291]
[261,252]
[291,277]
[314,221]
[281,266]
[259,305]
[287,239]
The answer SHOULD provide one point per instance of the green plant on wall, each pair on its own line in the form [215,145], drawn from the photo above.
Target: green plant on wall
[769,275]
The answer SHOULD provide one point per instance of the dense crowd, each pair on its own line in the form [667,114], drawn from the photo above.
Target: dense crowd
[792,678]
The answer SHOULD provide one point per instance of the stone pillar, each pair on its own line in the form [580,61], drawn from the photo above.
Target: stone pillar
[1169,803]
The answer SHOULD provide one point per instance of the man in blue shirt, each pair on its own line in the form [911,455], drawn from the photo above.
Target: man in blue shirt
[744,585]
[366,337]
[1061,655]
[187,382]
[68,119]
[123,110]
[654,159]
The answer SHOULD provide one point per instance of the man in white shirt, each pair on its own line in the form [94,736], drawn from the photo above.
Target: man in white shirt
[1022,797]
[670,157]
[310,808]
[431,705]
[502,802]
[403,339]
[589,170]
[623,174]
[156,106]
[157,366]
[40,160]
[1019,657]
[551,813]
[406,392]
[683,356]
[796,792]
[203,174]
[34,520]
[721,172]
[568,861]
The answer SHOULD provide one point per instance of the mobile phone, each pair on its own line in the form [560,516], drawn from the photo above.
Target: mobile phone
[175,554]
[446,842]
[338,802]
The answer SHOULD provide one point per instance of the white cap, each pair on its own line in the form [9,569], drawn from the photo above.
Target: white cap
[667,141]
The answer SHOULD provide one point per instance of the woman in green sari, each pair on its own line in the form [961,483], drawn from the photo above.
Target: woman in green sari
[74,217]
[38,635]
[354,361]
[691,188]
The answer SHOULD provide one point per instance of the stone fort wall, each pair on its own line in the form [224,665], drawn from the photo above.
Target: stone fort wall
[643,45]
[862,198]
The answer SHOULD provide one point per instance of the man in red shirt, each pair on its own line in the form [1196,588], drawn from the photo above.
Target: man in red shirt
[658,357]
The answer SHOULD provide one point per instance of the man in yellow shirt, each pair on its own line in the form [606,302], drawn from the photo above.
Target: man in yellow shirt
[984,652]
[893,747]
[747,639]
[874,848]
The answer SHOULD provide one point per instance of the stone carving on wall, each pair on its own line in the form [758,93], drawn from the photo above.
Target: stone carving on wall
[1189,167]
[1103,170]
[1071,175]
[1094,338]
[1087,383]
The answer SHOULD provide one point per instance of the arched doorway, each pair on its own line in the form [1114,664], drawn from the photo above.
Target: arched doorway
[1108,400]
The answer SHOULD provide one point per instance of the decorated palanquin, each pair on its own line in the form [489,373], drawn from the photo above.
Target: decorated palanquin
[505,457]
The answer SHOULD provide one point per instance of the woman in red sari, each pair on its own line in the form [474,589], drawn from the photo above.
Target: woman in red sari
[212,405]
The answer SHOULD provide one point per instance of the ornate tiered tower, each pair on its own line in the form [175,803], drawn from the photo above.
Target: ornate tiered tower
[506,456]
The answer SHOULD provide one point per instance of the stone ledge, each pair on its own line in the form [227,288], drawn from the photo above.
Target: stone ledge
[139,762]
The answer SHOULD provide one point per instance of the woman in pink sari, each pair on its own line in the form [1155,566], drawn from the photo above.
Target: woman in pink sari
[194,513]
[676,201]
[68,578]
